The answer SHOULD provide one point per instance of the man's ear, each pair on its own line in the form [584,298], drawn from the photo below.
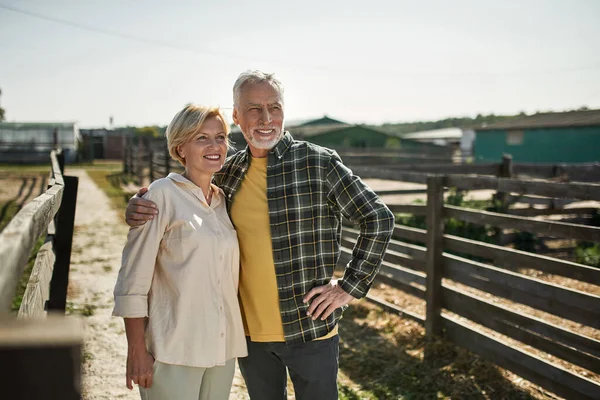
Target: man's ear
[235,116]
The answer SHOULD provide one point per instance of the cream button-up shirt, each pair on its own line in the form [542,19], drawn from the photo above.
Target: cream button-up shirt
[181,271]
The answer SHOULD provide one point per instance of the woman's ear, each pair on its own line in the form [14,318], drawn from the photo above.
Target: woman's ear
[180,151]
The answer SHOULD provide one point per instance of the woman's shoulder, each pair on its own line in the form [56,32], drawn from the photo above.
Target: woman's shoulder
[159,188]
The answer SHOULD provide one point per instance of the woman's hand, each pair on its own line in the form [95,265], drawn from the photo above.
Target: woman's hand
[139,367]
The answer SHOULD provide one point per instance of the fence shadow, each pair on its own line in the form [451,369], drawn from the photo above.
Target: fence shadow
[383,353]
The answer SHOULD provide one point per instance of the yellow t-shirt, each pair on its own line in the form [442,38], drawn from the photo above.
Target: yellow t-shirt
[259,297]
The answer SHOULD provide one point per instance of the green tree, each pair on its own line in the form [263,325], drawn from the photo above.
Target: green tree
[1,110]
[147,131]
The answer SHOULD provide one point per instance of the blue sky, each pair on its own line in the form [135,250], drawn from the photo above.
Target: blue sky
[360,62]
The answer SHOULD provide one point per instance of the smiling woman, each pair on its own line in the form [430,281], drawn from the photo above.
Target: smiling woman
[178,282]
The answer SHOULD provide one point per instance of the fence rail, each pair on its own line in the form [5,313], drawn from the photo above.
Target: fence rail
[425,269]
[40,350]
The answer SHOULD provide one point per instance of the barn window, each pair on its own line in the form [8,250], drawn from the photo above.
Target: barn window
[514,138]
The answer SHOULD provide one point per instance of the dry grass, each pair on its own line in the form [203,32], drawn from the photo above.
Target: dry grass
[382,357]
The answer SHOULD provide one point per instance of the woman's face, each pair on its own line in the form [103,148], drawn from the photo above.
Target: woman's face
[207,150]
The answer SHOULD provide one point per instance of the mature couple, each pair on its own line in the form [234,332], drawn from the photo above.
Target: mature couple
[234,258]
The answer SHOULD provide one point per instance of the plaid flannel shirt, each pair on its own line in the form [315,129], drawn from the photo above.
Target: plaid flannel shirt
[308,191]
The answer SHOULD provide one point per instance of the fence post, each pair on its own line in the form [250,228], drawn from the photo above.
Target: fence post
[41,358]
[434,260]
[60,156]
[125,147]
[63,241]
[505,171]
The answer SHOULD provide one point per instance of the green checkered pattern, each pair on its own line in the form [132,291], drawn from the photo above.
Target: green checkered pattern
[308,191]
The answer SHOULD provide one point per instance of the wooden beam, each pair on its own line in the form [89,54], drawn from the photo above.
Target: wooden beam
[569,346]
[553,299]
[548,375]
[40,358]
[502,256]
[434,260]
[549,228]
[19,237]
[394,309]
[380,173]
[38,287]
[582,191]
[415,209]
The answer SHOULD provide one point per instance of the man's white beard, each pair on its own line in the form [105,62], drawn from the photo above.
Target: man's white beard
[264,144]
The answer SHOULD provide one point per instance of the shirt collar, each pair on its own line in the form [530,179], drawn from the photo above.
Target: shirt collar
[217,191]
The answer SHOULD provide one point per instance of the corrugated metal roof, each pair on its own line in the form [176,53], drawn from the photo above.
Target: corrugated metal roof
[548,120]
[445,133]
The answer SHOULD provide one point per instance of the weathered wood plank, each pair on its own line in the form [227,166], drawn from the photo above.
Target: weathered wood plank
[405,254]
[56,169]
[394,309]
[404,276]
[408,233]
[534,212]
[380,173]
[582,191]
[415,209]
[541,201]
[577,349]
[433,260]
[550,228]
[553,299]
[502,256]
[548,375]
[462,169]
[62,245]
[40,358]
[19,237]
[38,287]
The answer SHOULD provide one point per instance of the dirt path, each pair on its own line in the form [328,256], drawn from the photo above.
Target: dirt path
[97,244]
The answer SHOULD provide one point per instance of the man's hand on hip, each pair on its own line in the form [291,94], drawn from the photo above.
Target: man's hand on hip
[139,210]
[328,298]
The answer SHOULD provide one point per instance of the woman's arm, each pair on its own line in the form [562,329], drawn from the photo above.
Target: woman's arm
[139,361]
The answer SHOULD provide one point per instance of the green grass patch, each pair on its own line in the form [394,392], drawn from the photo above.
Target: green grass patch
[110,183]
[22,285]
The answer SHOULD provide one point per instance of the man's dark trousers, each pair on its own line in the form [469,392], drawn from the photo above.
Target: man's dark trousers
[313,368]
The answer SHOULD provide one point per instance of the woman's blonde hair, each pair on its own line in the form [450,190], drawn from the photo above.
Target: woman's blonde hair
[186,124]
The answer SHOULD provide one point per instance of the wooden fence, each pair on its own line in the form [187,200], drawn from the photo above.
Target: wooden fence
[40,348]
[431,270]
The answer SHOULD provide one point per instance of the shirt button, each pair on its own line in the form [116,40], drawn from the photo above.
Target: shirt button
[218,281]
[222,334]
[221,256]
[221,308]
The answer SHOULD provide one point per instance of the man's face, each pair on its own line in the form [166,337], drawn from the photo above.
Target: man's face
[259,115]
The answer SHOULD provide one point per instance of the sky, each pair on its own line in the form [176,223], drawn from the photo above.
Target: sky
[372,62]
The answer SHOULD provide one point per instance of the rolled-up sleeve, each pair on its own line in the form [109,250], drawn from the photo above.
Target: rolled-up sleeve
[138,262]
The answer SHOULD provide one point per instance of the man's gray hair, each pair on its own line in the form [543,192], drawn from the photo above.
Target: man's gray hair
[255,76]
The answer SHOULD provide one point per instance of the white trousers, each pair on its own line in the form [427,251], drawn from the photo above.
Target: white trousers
[177,382]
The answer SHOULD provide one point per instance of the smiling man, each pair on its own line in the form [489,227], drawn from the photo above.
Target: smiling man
[286,199]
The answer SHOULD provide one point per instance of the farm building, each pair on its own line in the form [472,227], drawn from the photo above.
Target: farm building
[569,137]
[457,138]
[104,143]
[27,142]
[331,133]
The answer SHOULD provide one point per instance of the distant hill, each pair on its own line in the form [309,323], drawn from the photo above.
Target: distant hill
[462,122]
